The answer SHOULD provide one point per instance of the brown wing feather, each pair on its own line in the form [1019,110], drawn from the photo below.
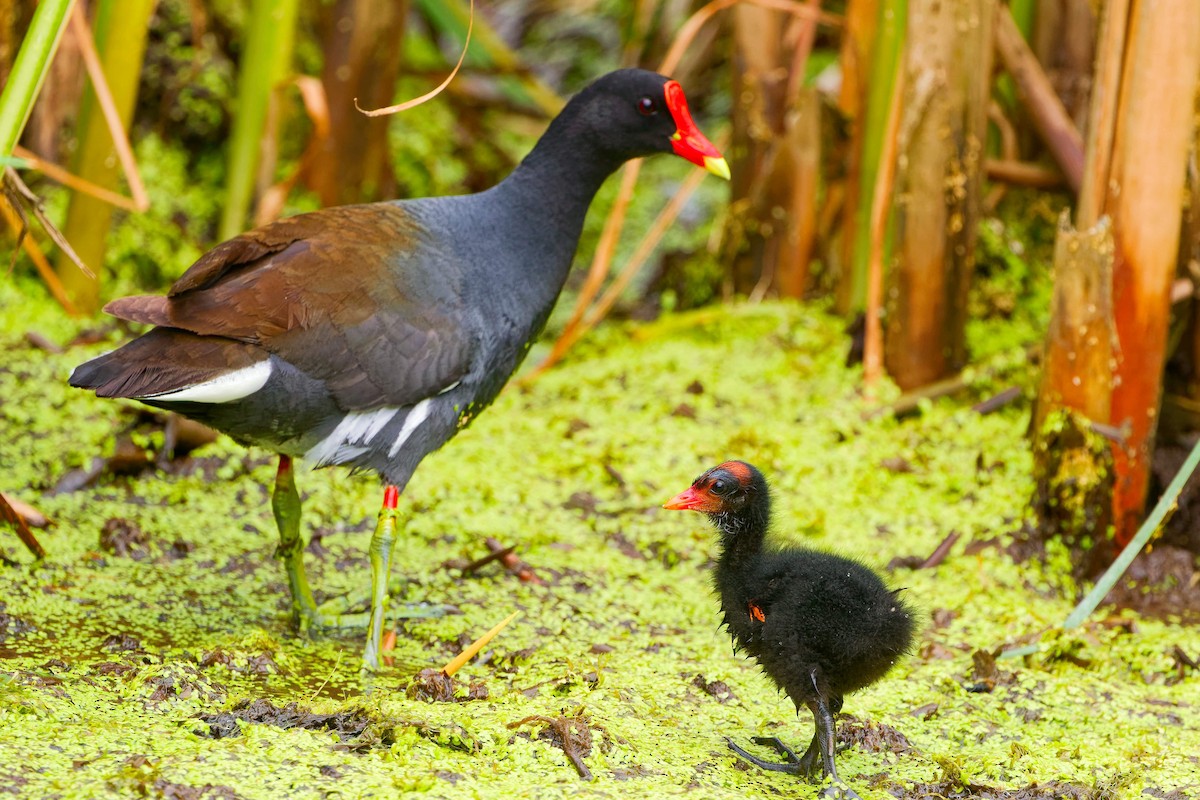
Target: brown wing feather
[241,251]
[163,360]
[150,309]
[345,294]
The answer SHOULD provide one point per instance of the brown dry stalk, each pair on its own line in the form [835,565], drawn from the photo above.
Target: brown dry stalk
[12,517]
[16,191]
[649,241]
[1022,173]
[1050,117]
[316,105]
[885,180]
[689,29]
[78,184]
[513,563]
[1102,113]
[91,60]
[38,258]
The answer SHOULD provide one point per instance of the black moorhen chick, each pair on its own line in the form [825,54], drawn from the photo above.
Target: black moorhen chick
[368,335]
[819,625]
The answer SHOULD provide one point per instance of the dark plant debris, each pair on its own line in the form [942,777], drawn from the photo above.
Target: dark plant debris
[12,626]
[985,675]
[573,735]
[872,737]
[434,686]
[717,689]
[347,725]
[124,539]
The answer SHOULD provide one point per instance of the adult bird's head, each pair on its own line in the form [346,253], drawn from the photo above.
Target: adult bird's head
[634,112]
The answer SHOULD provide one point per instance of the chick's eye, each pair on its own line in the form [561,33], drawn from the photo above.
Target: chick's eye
[647,106]
[719,486]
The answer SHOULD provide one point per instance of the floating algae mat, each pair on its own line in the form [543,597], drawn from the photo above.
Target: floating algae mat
[151,655]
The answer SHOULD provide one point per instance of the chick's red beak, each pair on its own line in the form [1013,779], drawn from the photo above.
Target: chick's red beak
[688,500]
[688,141]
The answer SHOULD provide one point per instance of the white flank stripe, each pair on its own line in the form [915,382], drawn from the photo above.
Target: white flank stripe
[221,389]
[356,429]
[415,417]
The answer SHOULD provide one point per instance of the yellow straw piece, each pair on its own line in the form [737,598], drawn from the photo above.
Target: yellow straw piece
[466,655]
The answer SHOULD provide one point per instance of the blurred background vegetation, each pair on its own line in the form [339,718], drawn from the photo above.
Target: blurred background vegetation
[914,166]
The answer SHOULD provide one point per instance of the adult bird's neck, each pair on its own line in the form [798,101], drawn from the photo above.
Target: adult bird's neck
[557,180]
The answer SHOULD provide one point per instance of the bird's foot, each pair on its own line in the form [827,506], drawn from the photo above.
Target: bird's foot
[791,765]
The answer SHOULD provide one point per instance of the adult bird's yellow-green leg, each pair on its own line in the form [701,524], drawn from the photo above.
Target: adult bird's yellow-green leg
[285,502]
[382,543]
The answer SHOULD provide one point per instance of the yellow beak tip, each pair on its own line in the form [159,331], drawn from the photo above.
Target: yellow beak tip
[717,166]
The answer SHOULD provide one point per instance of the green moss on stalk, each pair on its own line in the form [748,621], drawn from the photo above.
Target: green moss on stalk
[102,698]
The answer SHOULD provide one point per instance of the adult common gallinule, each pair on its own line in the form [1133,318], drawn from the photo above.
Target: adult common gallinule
[368,335]
[819,625]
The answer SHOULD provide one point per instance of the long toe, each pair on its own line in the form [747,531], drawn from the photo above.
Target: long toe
[788,753]
[791,768]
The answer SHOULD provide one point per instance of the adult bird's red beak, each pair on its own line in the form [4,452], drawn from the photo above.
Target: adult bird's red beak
[687,500]
[688,141]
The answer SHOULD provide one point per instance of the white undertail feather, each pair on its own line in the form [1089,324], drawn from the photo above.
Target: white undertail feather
[351,437]
[415,417]
[222,389]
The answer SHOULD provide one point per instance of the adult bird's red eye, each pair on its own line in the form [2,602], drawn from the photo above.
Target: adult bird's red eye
[647,106]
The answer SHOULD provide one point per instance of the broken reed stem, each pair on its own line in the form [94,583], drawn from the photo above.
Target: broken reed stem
[512,563]
[466,655]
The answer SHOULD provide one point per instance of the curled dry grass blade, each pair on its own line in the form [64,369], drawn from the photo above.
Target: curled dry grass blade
[425,98]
